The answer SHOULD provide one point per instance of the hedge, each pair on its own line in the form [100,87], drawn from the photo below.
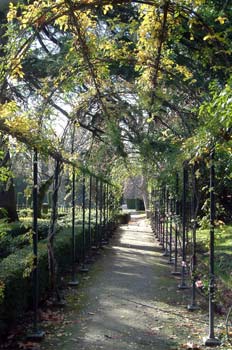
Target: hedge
[123,218]
[18,289]
[17,236]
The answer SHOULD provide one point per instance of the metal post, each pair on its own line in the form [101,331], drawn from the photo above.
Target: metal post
[83,266]
[170,261]
[183,285]
[110,214]
[175,272]
[162,220]
[107,212]
[36,333]
[158,224]
[161,229]
[154,212]
[100,216]
[107,204]
[74,281]
[96,236]
[212,340]
[159,217]
[193,306]
[89,258]
[90,208]
[166,209]
[103,240]
[105,237]
[155,209]
[104,205]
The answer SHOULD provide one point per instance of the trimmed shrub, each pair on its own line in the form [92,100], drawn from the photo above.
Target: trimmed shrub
[19,235]
[123,218]
[18,287]
[9,245]
[17,229]
[27,212]
[15,271]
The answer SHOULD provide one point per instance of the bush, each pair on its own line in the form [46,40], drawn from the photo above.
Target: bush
[43,228]
[17,228]
[18,288]
[123,218]
[9,245]
[25,212]
[12,236]
[19,234]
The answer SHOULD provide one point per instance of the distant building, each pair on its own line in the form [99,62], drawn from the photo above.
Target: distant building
[132,194]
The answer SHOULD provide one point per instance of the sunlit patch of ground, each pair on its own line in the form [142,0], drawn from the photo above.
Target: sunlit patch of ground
[129,300]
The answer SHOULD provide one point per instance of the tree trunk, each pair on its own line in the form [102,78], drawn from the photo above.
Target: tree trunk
[7,189]
[8,202]
[145,194]
[145,200]
[51,234]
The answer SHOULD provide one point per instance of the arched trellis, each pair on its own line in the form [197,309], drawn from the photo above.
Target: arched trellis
[47,149]
[161,211]
[211,340]
[100,227]
[183,284]
[166,232]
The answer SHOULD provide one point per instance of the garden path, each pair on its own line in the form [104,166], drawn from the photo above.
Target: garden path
[129,300]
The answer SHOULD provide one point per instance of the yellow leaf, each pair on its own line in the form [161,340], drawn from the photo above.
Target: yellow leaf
[221,19]
[106,9]
[207,37]
[12,13]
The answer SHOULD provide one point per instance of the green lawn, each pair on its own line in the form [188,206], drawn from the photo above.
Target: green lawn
[223,251]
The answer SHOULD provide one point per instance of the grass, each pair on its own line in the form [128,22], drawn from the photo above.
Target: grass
[223,252]
[223,238]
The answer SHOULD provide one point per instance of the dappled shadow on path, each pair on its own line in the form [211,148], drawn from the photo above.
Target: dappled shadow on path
[139,257]
[132,300]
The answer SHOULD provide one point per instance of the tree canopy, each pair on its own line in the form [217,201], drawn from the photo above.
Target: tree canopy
[146,81]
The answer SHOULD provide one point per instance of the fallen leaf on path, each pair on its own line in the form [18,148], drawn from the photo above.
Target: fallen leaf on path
[191,346]
[11,336]
[64,334]
[51,316]
[74,322]
[108,336]
[173,337]
[151,333]
[154,329]
[29,345]
[75,339]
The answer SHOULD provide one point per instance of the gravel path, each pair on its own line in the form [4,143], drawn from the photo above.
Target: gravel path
[129,300]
